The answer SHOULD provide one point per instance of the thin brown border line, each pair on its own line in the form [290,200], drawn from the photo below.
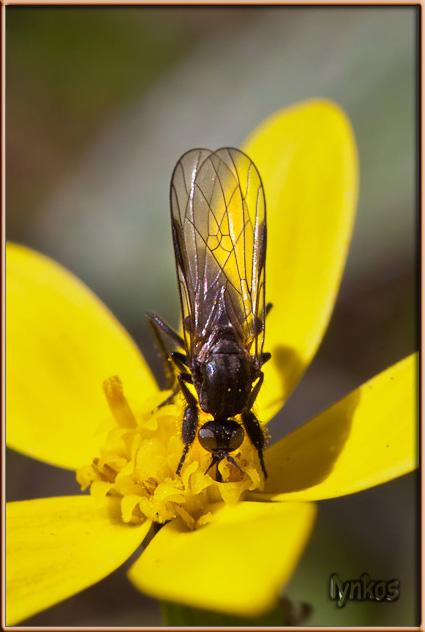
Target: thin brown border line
[310,3]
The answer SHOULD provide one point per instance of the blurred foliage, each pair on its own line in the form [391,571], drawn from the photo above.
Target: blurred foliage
[85,52]
[68,69]
[178,615]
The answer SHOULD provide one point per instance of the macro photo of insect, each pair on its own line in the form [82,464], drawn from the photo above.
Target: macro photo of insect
[211,361]
[218,217]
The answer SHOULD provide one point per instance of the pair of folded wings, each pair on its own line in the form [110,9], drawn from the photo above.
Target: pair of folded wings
[218,219]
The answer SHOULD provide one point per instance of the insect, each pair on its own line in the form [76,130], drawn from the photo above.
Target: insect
[218,218]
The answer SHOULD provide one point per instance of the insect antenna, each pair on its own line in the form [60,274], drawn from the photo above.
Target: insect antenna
[217,457]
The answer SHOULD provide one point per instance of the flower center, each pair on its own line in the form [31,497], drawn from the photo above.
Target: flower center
[139,459]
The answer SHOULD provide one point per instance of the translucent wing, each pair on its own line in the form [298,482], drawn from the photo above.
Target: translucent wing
[219,233]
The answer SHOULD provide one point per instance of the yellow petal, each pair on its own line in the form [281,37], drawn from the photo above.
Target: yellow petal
[367,438]
[236,564]
[307,159]
[62,343]
[56,547]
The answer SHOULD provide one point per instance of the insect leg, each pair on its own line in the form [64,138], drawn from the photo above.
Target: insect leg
[255,434]
[182,379]
[268,307]
[170,398]
[180,360]
[180,386]
[189,428]
[255,391]
[190,417]
[166,329]
[162,328]
[159,329]
[265,357]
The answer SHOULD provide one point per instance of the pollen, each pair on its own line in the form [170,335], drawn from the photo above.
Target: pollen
[139,459]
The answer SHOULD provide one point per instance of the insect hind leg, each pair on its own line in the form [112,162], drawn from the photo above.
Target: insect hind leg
[162,326]
[159,329]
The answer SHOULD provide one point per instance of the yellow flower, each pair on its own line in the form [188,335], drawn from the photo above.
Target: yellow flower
[226,546]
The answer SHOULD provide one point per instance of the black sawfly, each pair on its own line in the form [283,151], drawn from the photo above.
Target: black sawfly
[218,218]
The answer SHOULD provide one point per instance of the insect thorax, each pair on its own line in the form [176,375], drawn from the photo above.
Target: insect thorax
[224,379]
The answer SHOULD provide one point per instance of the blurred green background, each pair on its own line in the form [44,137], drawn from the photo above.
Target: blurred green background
[100,104]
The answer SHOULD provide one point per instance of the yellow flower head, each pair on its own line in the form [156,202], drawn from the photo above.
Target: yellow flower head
[138,463]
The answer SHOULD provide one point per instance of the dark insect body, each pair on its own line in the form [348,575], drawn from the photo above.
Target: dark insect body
[218,218]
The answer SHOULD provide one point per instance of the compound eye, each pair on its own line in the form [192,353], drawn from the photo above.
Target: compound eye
[207,437]
[224,436]
[236,437]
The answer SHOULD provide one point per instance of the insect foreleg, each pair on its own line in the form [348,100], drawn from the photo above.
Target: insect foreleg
[255,434]
[189,428]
